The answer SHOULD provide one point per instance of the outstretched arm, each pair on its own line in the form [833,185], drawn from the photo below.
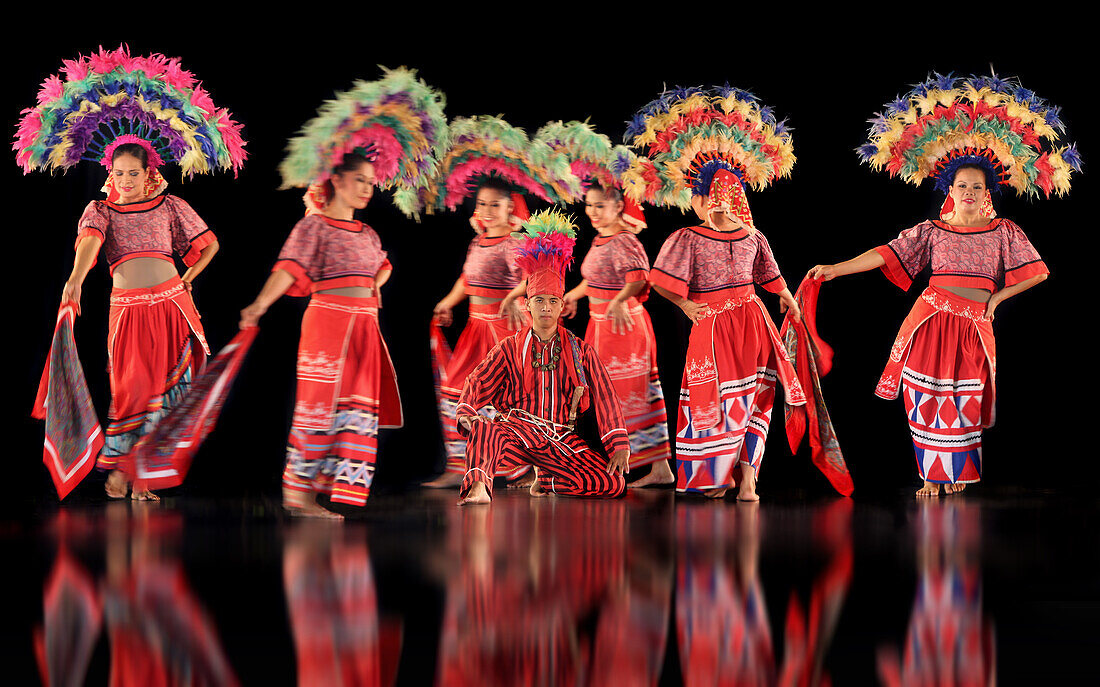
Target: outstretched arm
[86,251]
[442,310]
[275,286]
[1010,291]
[861,263]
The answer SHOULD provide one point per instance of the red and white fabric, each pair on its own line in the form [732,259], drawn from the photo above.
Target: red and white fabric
[322,253]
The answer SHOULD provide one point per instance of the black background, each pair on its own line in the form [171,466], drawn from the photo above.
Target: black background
[827,83]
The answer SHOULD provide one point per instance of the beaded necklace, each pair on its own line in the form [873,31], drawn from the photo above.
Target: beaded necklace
[537,361]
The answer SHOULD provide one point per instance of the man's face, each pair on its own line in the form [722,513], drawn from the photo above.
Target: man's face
[545,309]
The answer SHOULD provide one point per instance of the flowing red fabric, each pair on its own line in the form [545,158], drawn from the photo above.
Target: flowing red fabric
[813,358]
[162,457]
[73,434]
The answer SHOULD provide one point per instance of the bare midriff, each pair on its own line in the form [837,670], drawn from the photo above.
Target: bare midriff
[350,291]
[980,295]
[142,273]
[484,300]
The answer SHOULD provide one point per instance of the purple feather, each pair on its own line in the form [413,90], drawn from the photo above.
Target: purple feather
[867,151]
[897,106]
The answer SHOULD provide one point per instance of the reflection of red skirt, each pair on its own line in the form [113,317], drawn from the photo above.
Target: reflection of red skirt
[945,361]
[484,329]
[346,391]
[631,362]
[155,346]
[734,360]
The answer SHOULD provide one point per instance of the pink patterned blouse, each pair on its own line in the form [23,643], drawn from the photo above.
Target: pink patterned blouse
[613,262]
[324,253]
[969,257]
[702,264]
[490,268]
[154,228]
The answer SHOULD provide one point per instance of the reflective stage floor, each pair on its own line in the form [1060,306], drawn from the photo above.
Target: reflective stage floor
[993,587]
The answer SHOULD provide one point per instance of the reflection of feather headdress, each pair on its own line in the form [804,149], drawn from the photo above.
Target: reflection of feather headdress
[592,158]
[988,121]
[111,97]
[484,147]
[690,134]
[396,122]
[545,251]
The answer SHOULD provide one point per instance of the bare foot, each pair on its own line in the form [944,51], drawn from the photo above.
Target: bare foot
[311,509]
[523,481]
[747,491]
[959,488]
[929,489]
[536,488]
[144,495]
[659,475]
[477,495]
[116,485]
[444,481]
[715,493]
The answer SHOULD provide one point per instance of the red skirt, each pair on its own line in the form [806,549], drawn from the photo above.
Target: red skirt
[484,329]
[734,360]
[155,346]
[347,389]
[945,360]
[631,362]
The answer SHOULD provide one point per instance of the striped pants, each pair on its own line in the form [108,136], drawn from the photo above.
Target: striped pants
[566,467]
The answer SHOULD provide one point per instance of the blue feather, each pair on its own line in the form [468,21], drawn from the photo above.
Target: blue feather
[867,151]
[897,106]
[1072,157]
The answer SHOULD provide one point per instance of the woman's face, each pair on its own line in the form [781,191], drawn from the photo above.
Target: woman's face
[968,190]
[602,211]
[355,187]
[129,177]
[493,207]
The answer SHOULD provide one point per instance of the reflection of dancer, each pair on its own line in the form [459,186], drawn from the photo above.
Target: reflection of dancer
[948,642]
[721,616]
[389,131]
[496,164]
[159,633]
[333,609]
[615,272]
[155,339]
[538,380]
[971,136]
[734,353]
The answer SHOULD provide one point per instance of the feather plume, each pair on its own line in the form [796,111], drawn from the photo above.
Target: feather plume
[687,131]
[396,121]
[485,146]
[111,93]
[546,241]
[996,123]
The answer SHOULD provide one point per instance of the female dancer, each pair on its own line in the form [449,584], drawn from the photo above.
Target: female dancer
[734,353]
[388,133]
[155,339]
[497,164]
[147,377]
[346,384]
[493,284]
[615,272]
[945,353]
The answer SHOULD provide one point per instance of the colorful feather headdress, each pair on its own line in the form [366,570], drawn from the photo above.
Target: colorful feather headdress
[111,97]
[992,122]
[592,158]
[689,134]
[396,122]
[545,251]
[484,146]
